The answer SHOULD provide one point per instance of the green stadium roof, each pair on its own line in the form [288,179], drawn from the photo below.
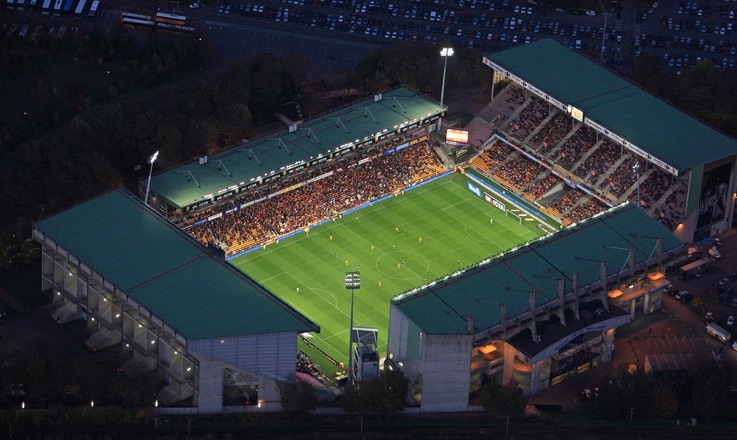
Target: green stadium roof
[654,126]
[286,150]
[443,308]
[167,272]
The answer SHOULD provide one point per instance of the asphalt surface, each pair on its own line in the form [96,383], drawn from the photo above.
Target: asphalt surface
[331,36]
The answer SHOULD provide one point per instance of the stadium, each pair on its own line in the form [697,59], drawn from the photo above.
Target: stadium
[366,238]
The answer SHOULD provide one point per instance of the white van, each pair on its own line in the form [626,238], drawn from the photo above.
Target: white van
[718,332]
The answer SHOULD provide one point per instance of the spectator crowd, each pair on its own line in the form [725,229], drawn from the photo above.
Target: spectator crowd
[348,185]
[552,137]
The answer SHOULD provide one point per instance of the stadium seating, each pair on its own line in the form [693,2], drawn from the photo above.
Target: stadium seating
[350,185]
[570,147]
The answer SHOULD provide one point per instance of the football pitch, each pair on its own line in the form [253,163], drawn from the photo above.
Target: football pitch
[397,245]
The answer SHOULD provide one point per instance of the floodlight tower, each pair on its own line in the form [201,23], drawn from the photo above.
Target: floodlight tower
[151,161]
[352,282]
[446,53]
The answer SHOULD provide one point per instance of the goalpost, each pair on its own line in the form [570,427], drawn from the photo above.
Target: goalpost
[516,213]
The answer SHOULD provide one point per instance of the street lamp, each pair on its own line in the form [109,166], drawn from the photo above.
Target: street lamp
[352,282]
[446,53]
[151,161]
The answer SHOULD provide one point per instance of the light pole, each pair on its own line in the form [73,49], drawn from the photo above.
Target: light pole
[601,58]
[636,169]
[151,161]
[446,53]
[352,282]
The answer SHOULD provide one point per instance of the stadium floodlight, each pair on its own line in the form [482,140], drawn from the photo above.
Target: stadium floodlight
[151,161]
[352,282]
[446,53]
[636,169]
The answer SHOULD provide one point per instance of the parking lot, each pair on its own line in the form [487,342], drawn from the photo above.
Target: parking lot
[677,34]
[714,291]
[681,34]
[482,24]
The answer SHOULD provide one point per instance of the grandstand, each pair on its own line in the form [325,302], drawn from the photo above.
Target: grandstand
[605,139]
[150,291]
[260,163]
[538,314]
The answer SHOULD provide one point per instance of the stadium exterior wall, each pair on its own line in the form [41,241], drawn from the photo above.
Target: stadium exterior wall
[711,189]
[192,368]
[271,355]
[445,372]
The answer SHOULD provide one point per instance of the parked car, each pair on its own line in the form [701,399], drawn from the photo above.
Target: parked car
[684,296]
[714,253]
[730,321]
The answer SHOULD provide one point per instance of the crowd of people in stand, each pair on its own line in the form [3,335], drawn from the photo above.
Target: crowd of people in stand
[605,167]
[550,134]
[539,187]
[620,179]
[575,148]
[599,162]
[349,186]
[520,170]
[528,119]
[305,365]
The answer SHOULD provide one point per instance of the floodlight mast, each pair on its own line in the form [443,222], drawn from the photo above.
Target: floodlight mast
[151,161]
[352,282]
[446,53]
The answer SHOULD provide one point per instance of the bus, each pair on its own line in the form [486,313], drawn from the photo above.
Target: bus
[137,23]
[697,267]
[175,28]
[179,20]
[46,7]
[57,7]
[80,8]
[68,6]
[124,15]
[93,9]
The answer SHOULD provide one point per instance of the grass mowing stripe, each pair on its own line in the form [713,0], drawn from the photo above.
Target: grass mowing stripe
[398,244]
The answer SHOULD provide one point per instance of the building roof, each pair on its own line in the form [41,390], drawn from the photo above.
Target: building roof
[444,307]
[287,150]
[167,272]
[618,105]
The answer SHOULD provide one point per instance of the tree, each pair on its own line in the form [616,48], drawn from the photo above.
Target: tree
[621,391]
[297,397]
[503,400]
[385,394]
[663,400]
[709,398]
[701,367]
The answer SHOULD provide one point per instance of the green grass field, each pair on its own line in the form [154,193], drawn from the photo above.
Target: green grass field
[397,245]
